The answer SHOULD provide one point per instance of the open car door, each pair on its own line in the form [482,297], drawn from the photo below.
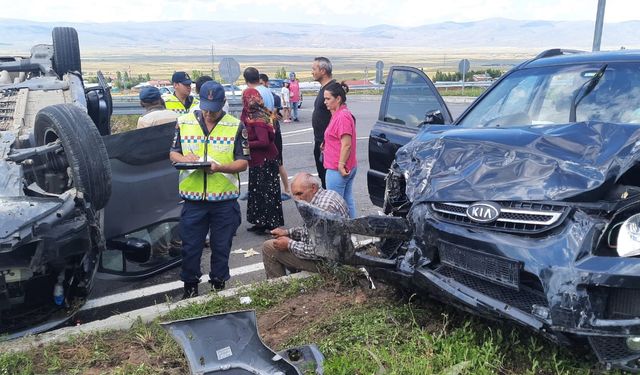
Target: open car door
[141,218]
[410,101]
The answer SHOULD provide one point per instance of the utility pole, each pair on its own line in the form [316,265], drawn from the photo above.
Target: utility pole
[213,63]
[597,34]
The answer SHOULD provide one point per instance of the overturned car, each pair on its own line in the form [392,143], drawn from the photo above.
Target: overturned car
[526,208]
[74,200]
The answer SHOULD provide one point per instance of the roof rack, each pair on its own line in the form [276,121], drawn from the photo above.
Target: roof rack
[556,52]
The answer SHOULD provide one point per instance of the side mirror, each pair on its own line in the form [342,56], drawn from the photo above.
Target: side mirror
[433,118]
[134,249]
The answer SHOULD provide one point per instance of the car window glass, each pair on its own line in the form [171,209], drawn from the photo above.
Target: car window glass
[616,98]
[157,246]
[543,96]
[508,103]
[410,98]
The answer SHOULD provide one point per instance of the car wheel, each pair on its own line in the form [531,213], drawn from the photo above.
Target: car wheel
[88,163]
[66,51]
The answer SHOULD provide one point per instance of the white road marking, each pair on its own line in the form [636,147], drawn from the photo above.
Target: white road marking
[157,289]
[294,132]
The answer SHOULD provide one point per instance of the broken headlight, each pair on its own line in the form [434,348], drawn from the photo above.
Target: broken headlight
[629,237]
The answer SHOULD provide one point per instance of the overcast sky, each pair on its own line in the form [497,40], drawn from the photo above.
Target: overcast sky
[359,13]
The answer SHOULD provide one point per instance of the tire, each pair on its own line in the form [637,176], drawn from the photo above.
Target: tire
[89,167]
[66,51]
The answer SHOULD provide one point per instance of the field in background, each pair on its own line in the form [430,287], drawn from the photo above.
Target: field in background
[347,64]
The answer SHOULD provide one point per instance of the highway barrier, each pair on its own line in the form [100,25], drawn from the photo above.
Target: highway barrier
[130,104]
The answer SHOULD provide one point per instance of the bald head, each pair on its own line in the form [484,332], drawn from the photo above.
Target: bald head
[304,186]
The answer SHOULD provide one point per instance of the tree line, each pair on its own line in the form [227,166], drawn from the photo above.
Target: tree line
[457,76]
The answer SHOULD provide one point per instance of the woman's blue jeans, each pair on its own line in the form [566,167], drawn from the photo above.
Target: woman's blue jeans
[343,186]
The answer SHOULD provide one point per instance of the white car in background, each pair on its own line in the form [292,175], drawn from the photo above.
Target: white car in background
[231,90]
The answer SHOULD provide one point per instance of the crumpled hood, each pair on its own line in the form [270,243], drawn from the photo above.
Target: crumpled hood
[542,162]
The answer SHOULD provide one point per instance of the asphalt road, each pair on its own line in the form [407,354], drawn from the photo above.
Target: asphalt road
[298,156]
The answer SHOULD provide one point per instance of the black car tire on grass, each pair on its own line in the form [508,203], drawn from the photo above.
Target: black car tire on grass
[66,51]
[83,148]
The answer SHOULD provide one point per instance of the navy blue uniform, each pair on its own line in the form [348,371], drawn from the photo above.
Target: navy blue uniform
[219,218]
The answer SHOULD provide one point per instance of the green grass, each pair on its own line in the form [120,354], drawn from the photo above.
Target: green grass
[107,350]
[386,334]
[15,364]
[468,91]
[123,123]
[414,339]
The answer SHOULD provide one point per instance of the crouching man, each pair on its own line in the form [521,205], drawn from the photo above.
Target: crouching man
[291,248]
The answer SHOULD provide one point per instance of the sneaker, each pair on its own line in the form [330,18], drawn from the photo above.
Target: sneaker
[190,290]
[296,120]
[287,120]
[284,196]
[244,196]
[216,284]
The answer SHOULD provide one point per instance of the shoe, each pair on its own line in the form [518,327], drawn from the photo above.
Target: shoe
[287,120]
[256,228]
[216,284]
[190,290]
[284,196]
[244,196]
[296,120]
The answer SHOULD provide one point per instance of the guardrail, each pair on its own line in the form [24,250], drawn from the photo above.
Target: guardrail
[130,104]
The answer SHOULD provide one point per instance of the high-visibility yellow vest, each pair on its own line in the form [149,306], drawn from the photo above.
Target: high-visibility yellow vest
[196,184]
[172,103]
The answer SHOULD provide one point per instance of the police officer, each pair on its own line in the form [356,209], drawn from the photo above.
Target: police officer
[210,194]
[181,100]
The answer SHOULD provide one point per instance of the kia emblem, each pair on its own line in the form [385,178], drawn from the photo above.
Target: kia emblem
[483,212]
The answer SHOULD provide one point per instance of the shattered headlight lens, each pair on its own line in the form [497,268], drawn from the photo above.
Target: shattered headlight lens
[629,237]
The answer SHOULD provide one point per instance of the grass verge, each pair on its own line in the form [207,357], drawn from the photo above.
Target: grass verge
[360,331]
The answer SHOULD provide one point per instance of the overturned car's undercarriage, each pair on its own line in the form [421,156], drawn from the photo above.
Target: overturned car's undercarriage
[54,180]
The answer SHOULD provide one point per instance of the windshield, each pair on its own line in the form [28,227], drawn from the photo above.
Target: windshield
[540,96]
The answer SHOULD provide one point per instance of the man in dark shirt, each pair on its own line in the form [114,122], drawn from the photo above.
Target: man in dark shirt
[322,72]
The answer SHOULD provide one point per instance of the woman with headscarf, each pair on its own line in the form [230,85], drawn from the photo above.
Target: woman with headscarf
[264,208]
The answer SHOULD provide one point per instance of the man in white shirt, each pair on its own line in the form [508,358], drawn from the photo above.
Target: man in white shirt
[155,111]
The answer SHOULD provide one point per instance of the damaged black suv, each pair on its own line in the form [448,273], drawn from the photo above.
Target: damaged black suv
[526,208]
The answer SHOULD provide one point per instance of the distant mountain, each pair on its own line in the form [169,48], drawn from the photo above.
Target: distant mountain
[176,36]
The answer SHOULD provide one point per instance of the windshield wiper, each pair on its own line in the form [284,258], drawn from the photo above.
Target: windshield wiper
[588,87]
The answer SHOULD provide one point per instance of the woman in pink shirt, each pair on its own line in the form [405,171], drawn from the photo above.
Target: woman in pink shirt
[339,148]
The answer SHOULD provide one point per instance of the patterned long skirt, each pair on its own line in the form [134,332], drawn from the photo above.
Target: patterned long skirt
[264,207]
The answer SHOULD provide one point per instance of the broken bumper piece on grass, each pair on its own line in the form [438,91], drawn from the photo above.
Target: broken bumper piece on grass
[229,343]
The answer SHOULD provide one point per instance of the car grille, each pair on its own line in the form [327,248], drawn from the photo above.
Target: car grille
[7,108]
[486,266]
[516,217]
[611,348]
[623,303]
[523,299]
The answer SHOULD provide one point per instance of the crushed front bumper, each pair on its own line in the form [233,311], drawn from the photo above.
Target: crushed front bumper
[553,285]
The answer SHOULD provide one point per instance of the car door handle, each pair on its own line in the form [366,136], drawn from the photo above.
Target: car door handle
[382,138]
